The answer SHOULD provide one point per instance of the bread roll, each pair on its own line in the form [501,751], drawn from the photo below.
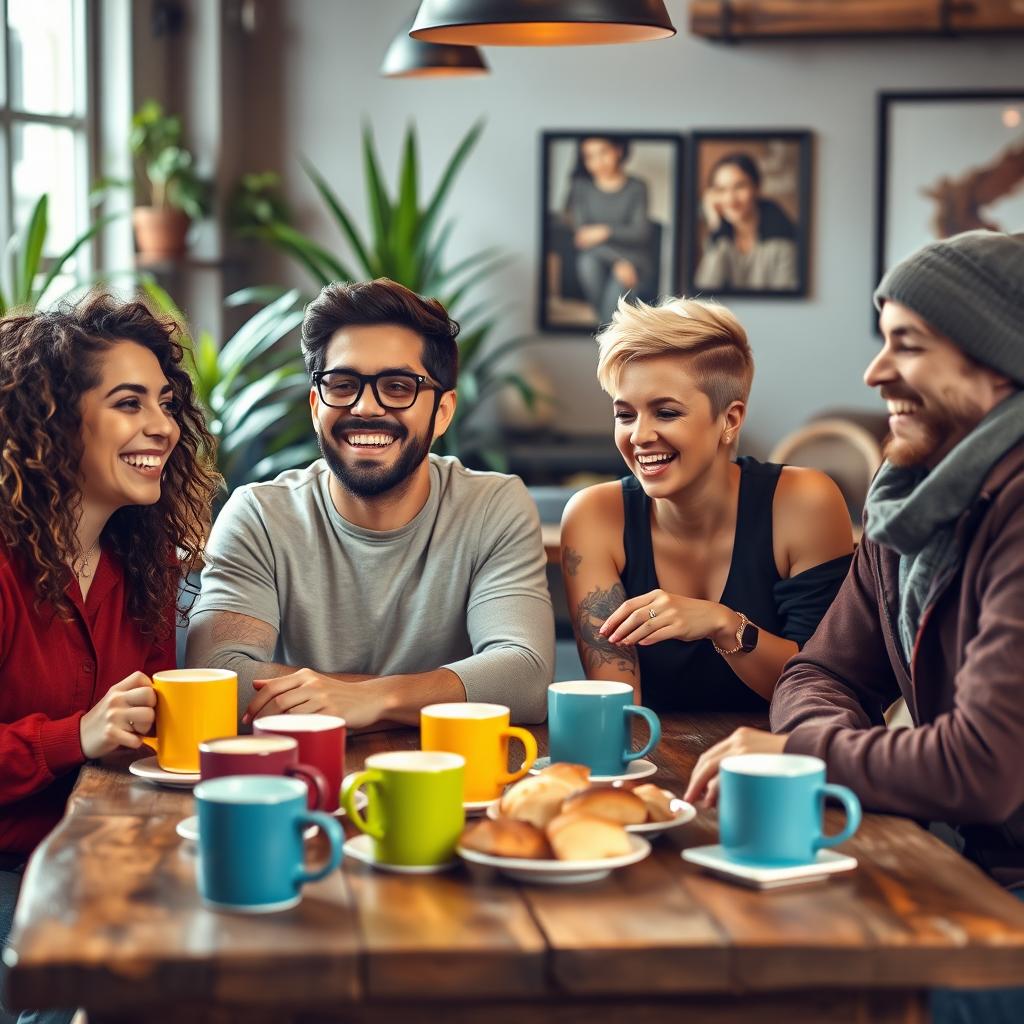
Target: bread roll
[507,838]
[616,805]
[657,801]
[577,775]
[536,799]
[575,836]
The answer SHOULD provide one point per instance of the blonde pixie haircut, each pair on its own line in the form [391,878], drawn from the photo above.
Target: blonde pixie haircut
[705,334]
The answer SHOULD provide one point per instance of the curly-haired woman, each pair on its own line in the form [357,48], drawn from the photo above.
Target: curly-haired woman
[105,488]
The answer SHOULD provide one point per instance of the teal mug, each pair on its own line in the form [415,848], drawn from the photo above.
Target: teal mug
[771,809]
[589,723]
[251,849]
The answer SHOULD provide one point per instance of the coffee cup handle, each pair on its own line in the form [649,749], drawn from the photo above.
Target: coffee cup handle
[851,804]
[348,801]
[527,739]
[653,724]
[314,779]
[330,828]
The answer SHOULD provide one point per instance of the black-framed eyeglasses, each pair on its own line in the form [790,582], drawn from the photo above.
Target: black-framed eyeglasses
[393,389]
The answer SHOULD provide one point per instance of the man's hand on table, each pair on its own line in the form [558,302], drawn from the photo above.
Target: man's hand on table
[703,788]
[309,693]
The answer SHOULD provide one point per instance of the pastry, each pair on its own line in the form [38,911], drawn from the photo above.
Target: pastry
[536,799]
[616,805]
[657,801]
[506,837]
[575,836]
[578,775]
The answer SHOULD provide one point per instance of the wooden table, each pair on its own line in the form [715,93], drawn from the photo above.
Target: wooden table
[110,919]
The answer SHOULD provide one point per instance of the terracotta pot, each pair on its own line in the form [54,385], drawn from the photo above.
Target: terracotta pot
[159,233]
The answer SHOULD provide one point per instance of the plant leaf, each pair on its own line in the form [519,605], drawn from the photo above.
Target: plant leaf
[32,238]
[289,384]
[348,228]
[324,267]
[404,242]
[261,419]
[58,263]
[448,176]
[379,203]
[287,458]
[261,293]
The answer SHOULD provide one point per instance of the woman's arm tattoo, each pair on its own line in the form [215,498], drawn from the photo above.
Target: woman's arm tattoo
[571,559]
[596,650]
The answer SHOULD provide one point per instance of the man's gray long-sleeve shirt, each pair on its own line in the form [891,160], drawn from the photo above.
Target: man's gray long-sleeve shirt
[462,586]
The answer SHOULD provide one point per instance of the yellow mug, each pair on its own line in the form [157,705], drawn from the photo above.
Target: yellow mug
[480,733]
[192,705]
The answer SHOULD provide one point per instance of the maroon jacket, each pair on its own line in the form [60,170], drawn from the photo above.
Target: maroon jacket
[964,762]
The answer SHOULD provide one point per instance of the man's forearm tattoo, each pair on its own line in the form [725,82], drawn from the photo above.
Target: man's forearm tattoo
[596,650]
[571,559]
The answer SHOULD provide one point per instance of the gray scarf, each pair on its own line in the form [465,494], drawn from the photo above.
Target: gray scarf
[915,512]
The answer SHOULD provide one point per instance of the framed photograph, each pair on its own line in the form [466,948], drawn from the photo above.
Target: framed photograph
[947,162]
[749,209]
[609,223]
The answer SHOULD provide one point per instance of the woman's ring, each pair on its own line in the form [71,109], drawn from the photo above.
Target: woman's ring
[131,725]
[651,613]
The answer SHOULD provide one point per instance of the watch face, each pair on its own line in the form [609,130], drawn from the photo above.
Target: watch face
[748,638]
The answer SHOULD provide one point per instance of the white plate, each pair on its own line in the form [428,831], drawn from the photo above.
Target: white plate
[684,812]
[361,848]
[188,828]
[474,807]
[147,768]
[558,872]
[713,859]
[638,769]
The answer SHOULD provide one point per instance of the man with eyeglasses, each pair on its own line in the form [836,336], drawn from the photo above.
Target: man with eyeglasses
[381,578]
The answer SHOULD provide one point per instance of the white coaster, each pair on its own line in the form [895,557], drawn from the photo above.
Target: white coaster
[148,769]
[713,859]
[360,848]
[559,872]
[638,769]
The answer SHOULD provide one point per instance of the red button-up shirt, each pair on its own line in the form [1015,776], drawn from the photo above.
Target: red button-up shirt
[52,671]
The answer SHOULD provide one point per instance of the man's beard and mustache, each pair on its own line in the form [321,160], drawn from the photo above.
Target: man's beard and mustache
[936,429]
[369,478]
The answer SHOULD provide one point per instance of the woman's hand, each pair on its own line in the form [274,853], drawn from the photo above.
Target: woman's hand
[625,273]
[592,234]
[712,214]
[124,715]
[658,616]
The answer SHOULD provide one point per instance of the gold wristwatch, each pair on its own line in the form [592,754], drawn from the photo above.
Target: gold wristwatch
[746,637]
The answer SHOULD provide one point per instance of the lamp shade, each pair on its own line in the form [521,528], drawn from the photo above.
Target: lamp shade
[541,22]
[412,58]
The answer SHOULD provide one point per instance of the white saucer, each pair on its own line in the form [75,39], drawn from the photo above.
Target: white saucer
[684,812]
[188,828]
[474,807]
[148,769]
[558,872]
[713,859]
[360,848]
[638,769]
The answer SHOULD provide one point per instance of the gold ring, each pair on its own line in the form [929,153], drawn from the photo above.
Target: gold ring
[131,725]
[651,613]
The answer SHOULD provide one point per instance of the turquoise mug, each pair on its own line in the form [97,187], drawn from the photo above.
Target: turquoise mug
[589,723]
[251,850]
[771,809]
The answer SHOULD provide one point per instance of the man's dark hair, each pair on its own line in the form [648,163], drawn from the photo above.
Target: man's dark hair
[382,302]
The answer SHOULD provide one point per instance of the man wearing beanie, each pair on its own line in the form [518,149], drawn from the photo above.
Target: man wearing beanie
[933,607]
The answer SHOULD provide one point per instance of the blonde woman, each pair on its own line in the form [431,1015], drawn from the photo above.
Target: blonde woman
[698,576]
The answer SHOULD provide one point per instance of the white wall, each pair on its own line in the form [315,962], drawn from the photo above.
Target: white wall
[311,79]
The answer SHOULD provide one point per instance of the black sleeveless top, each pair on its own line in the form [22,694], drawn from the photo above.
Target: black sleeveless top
[677,675]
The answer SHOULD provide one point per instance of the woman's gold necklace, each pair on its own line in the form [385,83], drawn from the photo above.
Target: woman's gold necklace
[84,569]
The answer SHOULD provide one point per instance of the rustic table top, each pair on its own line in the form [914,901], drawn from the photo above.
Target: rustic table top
[110,917]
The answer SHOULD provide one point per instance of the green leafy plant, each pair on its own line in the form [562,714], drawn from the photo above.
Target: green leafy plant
[254,390]
[26,274]
[407,242]
[168,165]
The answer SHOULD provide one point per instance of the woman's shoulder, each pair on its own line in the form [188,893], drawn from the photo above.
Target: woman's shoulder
[810,518]
[598,508]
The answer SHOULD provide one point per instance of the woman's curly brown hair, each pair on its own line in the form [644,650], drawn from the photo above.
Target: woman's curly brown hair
[48,360]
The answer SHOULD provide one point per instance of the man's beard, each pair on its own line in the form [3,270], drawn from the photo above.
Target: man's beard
[935,430]
[368,478]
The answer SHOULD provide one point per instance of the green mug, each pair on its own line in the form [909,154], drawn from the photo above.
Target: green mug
[414,812]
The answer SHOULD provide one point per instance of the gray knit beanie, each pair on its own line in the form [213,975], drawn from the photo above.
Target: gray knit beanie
[970,288]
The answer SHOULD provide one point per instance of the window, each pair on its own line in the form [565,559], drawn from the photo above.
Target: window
[44,139]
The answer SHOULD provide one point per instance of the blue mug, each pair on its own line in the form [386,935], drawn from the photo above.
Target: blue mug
[771,809]
[251,850]
[589,723]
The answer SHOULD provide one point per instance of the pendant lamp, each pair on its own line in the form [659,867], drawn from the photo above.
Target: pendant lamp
[412,58]
[541,22]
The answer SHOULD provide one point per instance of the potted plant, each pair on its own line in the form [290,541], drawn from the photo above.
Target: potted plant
[178,195]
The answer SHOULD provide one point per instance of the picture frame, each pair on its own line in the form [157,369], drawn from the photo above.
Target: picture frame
[729,171]
[947,162]
[581,274]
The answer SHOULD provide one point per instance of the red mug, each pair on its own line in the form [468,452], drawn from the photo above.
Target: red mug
[321,740]
[262,755]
